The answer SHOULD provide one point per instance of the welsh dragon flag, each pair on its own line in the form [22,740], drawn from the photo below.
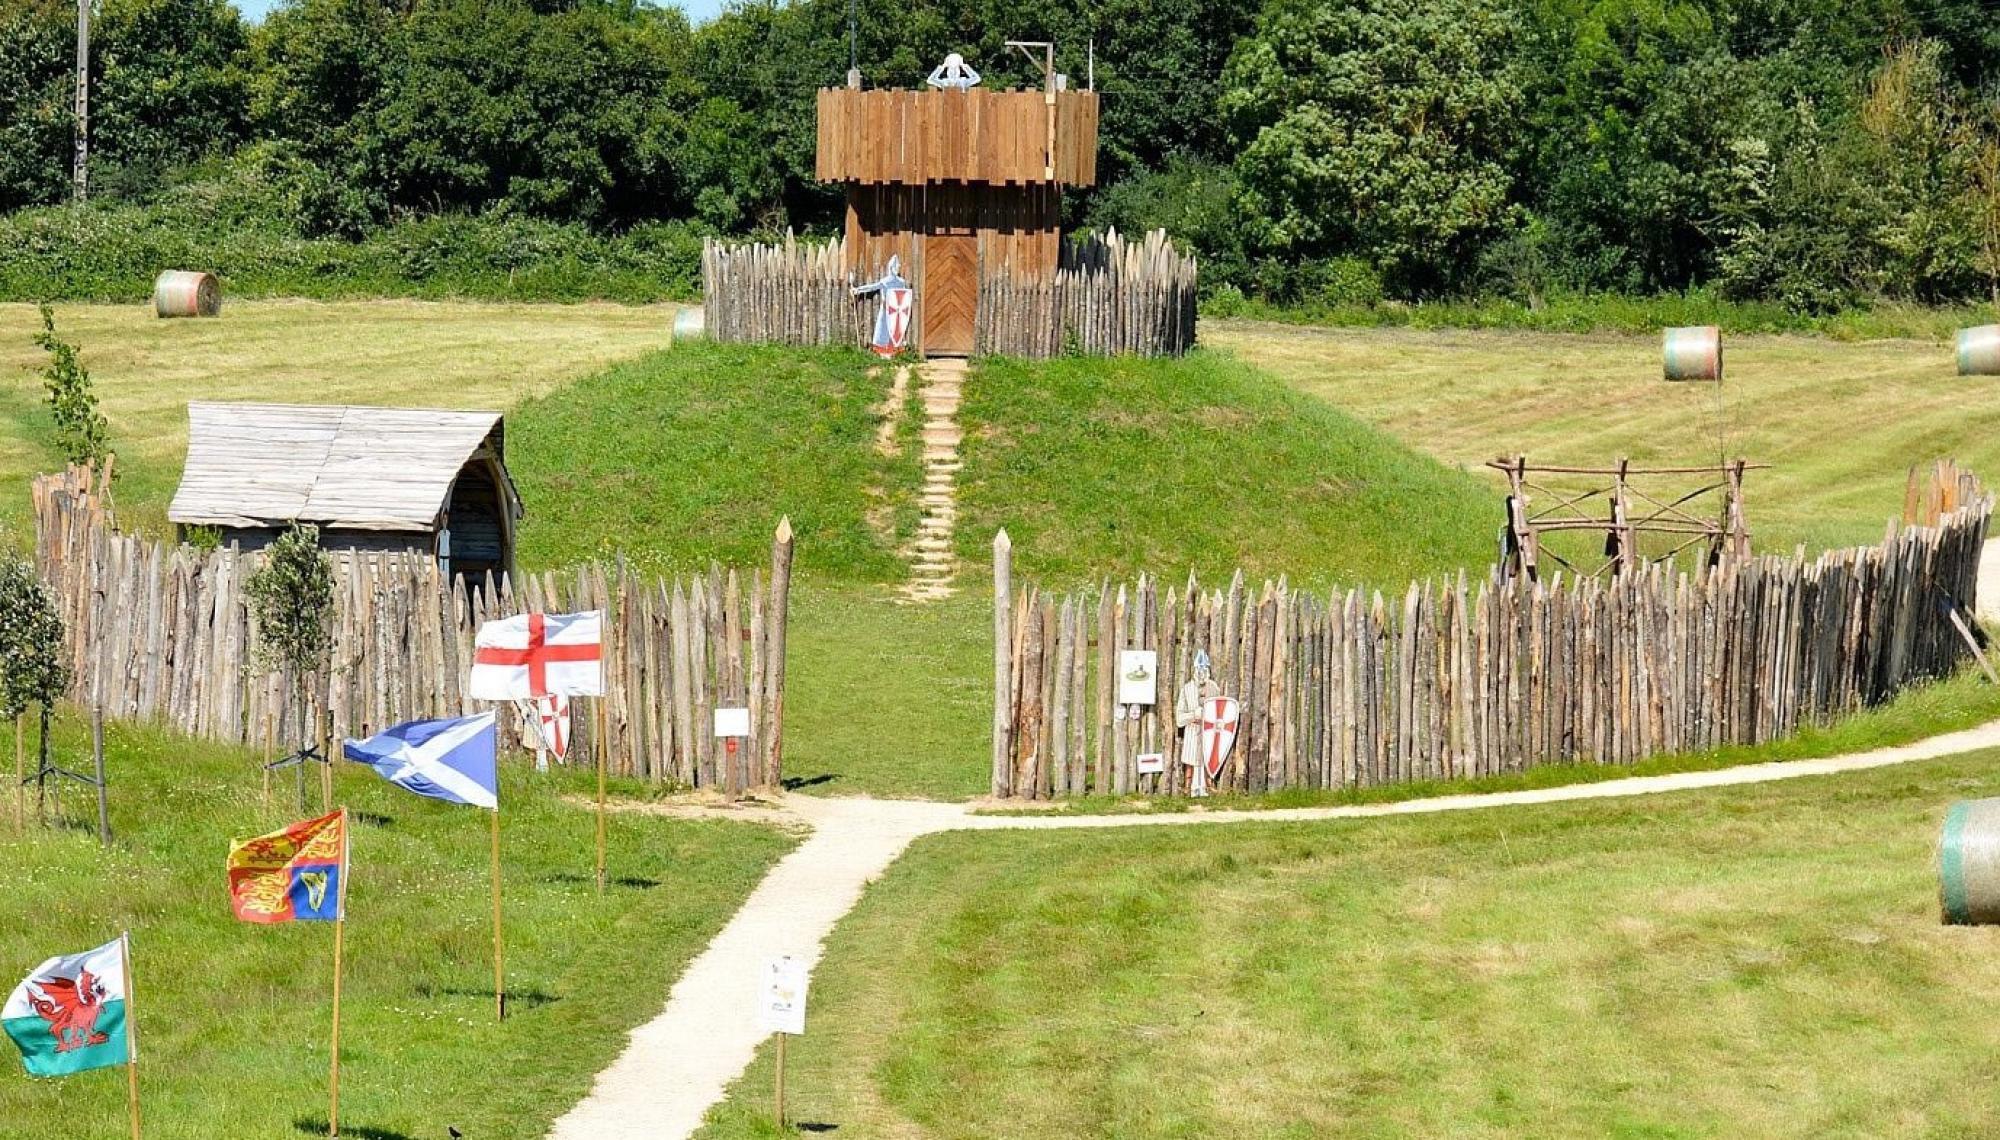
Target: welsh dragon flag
[69,1015]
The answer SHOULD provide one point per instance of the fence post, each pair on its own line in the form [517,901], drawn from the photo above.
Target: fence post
[1003,641]
[773,729]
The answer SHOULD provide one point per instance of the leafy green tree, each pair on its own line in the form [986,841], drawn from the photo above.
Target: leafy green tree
[33,672]
[37,45]
[291,599]
[168,90]
[82,432]
[1378,128]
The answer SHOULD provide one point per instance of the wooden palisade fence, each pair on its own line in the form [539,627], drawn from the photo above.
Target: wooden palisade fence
[1110,296]
[164,633]
[1449,681]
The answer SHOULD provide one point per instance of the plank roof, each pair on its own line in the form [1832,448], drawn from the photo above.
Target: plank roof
[333,464]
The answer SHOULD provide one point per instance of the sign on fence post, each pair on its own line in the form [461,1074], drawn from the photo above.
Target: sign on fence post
[781,1009]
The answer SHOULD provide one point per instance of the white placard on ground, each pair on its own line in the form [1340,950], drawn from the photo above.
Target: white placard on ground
[732,722]
[781,997]
[1138,676]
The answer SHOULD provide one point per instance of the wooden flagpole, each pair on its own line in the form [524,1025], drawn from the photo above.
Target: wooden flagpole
[499,951]
[603,765]
[21,769]
[339,932]
[131,1032]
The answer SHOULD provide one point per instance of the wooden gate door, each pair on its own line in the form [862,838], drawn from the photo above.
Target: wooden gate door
[950,294]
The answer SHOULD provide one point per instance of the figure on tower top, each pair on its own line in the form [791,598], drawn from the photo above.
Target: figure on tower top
[954,72]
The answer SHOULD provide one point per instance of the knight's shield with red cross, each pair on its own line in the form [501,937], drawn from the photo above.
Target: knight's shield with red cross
[1218,734]
[899,303]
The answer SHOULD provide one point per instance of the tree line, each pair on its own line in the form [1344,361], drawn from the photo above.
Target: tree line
[1816,153]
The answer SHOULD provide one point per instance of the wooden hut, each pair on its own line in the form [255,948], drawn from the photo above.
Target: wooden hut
[963,185]
[369,478]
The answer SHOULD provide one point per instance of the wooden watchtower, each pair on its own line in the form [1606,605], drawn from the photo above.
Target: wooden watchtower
[965,186]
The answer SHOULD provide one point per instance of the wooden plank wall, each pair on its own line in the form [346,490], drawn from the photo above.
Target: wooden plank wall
[983,135]
[1448,681]
[1111,296]
[164,633]
[1019,227]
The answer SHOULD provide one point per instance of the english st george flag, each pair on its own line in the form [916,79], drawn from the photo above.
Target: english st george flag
[536,655]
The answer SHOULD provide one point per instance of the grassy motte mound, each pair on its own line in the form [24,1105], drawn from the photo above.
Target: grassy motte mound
[1112,466]
[693,454]
[234,1018]
[1751,961]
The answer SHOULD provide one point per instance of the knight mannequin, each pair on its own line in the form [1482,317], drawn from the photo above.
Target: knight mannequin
[1200,689]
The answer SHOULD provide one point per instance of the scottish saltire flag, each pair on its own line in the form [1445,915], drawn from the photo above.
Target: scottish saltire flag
[450,760]
[536,655]
[69,1015]
[295,875]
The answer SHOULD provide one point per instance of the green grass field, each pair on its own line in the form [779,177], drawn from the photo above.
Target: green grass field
[1751,961]
[1109,467]
[1842,421]
[680,457]
[399,353]
[234,1018]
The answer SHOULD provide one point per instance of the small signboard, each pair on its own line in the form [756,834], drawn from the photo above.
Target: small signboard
[1151,762]
[1138,676]
[781,997]
[732,722]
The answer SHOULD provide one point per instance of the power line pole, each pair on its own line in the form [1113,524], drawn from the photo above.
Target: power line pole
[81,174]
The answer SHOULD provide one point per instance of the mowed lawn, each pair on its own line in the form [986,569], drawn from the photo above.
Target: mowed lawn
[1841,420]
[1753,961]
[234,1018]
[1100,467]
[398,353]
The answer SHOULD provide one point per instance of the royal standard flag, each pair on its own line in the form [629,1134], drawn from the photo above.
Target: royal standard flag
[294,875]
[69,1015]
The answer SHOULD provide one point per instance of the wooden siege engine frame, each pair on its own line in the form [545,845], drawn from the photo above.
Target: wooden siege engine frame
[1638,506]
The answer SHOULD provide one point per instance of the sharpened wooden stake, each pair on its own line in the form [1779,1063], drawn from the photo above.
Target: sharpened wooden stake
[1972,643]
[1003,667]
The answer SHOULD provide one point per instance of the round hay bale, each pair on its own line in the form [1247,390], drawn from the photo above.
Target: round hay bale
[1693,353]
[690,324]
[1979,351]
[1969,863]
[178,293]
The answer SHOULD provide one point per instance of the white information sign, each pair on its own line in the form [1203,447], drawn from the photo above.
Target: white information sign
[1150,762]
[781,997]
[732,722]
[1138,676]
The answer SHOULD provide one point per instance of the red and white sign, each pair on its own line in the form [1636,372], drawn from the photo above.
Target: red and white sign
[1218,734]
[552,720]
[538,655]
